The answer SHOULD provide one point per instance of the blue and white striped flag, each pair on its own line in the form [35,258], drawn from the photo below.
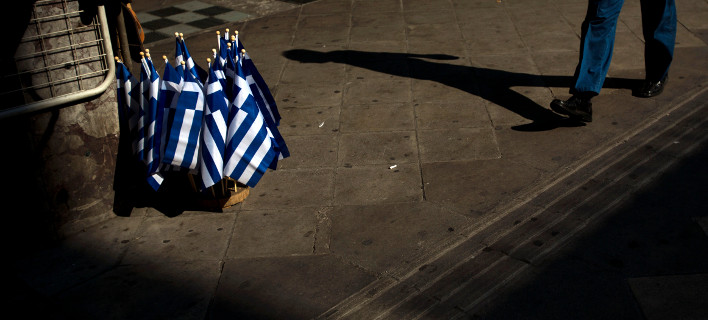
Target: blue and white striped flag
[170,88]
[153,116]
[264,95]
[198,73]
[223,49]
[218,69]
[249,143]
[138,132]
[237,45]
[183,140]
[213,131]
[129,101]
[179,55]
[266,103]
[227,68]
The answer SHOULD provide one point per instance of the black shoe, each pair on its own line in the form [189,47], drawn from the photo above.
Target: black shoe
[575,108]
[652,88]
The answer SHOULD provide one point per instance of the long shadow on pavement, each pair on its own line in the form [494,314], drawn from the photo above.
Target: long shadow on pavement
[489,84]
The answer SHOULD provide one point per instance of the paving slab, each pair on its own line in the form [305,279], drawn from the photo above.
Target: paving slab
[267,233]
[399,147]
[394,232]
[182,238]
[375,117]
[174,290]
[284,287]
[281,189]
[375,184]
[78,258]
[312,151]
[486,183]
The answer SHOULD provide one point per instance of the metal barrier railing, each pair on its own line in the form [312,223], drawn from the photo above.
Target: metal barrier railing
[59,59]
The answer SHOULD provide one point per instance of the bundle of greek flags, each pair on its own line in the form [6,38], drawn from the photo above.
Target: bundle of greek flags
[217,123]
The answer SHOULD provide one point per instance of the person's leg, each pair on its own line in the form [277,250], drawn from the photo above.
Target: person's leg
[659,29]
[596,45]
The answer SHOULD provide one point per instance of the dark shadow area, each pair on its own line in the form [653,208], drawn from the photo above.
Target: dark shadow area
[13,23]
[489,84]
[601,274]
[176,195]
[28,206]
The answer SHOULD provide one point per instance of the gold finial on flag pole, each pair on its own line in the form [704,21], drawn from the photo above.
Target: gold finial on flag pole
[176,34]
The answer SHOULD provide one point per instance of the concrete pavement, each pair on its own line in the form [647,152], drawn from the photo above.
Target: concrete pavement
[428,179]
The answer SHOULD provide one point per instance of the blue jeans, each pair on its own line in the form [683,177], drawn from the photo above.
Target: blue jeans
[598,38]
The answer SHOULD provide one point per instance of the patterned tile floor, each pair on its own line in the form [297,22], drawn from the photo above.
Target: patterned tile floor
[186,18]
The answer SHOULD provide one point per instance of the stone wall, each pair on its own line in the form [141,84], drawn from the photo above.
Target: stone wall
[60,163]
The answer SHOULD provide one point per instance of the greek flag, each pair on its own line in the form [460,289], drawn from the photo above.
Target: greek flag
[218,69]
[150,87]
[223,47]
[170,88]
[129,101]
[237,45]
[198,73]
[266,103]
[214,131]
[228,69]
[183,139]
[249,142]
[179,54]
[265,97]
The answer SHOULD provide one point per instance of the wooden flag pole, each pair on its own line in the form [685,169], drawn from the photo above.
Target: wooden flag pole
[213,194]
[191,181]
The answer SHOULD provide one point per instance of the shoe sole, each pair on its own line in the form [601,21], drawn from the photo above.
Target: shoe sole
[571,115]
[650,95]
